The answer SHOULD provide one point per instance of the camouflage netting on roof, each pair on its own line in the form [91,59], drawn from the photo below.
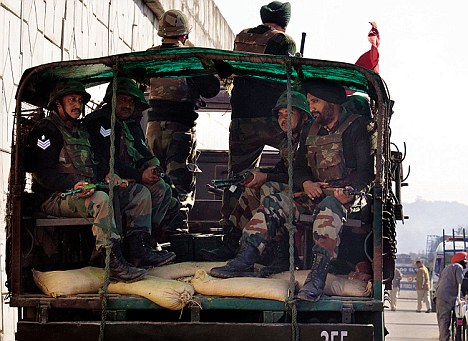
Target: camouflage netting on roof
[37,81]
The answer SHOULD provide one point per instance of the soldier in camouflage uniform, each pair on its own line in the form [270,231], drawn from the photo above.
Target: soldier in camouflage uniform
[171,122]
[252,124]
[133,159]
[62,159]
[334,151]
[266,182]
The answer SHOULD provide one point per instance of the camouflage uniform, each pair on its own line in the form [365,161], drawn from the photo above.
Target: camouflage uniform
[62,157]
[171,133]
[252,123]
[132,157]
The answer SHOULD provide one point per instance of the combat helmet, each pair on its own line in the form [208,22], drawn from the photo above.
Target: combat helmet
[173,23]
[298,101]
[127,86]
[67,87]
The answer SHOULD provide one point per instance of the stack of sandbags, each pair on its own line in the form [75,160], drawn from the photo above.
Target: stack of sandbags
[335,285]
[268,288]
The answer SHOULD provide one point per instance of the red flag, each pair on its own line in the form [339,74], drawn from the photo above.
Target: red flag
[370,59]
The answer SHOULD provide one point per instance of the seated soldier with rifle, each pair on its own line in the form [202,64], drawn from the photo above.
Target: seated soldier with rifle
[262,182]
[334,151]
[61,159]
[133,159]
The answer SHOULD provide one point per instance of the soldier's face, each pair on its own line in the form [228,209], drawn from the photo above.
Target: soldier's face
[283,118]
[125,106]
[71,104]
[321,110]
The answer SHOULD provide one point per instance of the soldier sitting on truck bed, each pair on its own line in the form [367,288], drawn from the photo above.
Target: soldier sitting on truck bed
[255,190]
[61,158]
[334,151]
[133,158]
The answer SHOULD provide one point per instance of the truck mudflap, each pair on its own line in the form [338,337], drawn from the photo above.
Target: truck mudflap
[141,331]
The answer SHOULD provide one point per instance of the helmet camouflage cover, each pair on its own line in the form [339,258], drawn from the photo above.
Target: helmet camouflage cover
[67,87]
[127,86]
[298,101]
[173,23]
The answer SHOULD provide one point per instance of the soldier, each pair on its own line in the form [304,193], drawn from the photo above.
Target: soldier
[276,177]
[133,159]
[334,151]
[171,122]
[62,159]
[252,123]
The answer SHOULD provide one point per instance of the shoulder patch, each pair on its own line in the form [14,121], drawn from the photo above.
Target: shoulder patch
[105,132]
[43,143]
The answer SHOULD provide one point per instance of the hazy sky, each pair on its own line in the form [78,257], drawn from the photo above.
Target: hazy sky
[423,59]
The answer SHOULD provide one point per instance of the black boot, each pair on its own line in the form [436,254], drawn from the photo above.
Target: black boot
[227,250]
[120,269]
[241,266]
[141,254]
[315,281]
[280,259]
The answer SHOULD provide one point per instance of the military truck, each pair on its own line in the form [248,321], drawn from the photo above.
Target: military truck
[53,243]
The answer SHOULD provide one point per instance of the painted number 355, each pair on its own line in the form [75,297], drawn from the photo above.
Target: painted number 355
[334,335]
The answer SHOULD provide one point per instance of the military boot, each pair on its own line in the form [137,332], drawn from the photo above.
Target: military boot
[141,254]
[280,259]
[241,266]
[120,269]
[227,250]
[315,281]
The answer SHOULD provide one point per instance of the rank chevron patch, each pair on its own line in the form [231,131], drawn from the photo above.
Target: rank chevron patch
[43,143]
[105,132]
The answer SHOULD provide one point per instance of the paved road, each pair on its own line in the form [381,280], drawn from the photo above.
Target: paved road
[405,324]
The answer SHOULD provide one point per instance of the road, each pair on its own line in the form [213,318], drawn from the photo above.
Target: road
[406,324]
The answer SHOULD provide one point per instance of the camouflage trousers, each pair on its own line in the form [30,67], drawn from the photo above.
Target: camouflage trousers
[134,203]
[270,218]
[250,200]
[247,138]
[174,144]
[165,212]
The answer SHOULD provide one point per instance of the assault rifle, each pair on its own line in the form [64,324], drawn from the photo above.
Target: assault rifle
[236,179]
[329,191]
[97,185]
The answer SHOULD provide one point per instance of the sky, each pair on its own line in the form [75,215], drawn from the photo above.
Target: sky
[423,59]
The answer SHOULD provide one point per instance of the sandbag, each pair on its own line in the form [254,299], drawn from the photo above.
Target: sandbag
[335,285]
[166,293]
[86,280]
[181,270]
[268,288]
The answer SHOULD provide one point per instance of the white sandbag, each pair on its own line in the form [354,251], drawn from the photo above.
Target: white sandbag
[166,293]
[86,280]
[274,289]
[185,269]
[335,285]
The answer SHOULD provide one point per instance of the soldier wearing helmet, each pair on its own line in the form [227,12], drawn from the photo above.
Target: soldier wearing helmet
[63,160]
[170,132]
[447,292]
[263,182]
[253,124]
[133,159]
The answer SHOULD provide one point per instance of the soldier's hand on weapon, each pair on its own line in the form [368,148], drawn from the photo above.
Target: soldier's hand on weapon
[313,189]
[84,192]
[343,194]
[150,176]
[256,180]
[117,180]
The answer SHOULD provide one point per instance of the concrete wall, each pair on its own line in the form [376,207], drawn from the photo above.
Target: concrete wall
[34,32]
